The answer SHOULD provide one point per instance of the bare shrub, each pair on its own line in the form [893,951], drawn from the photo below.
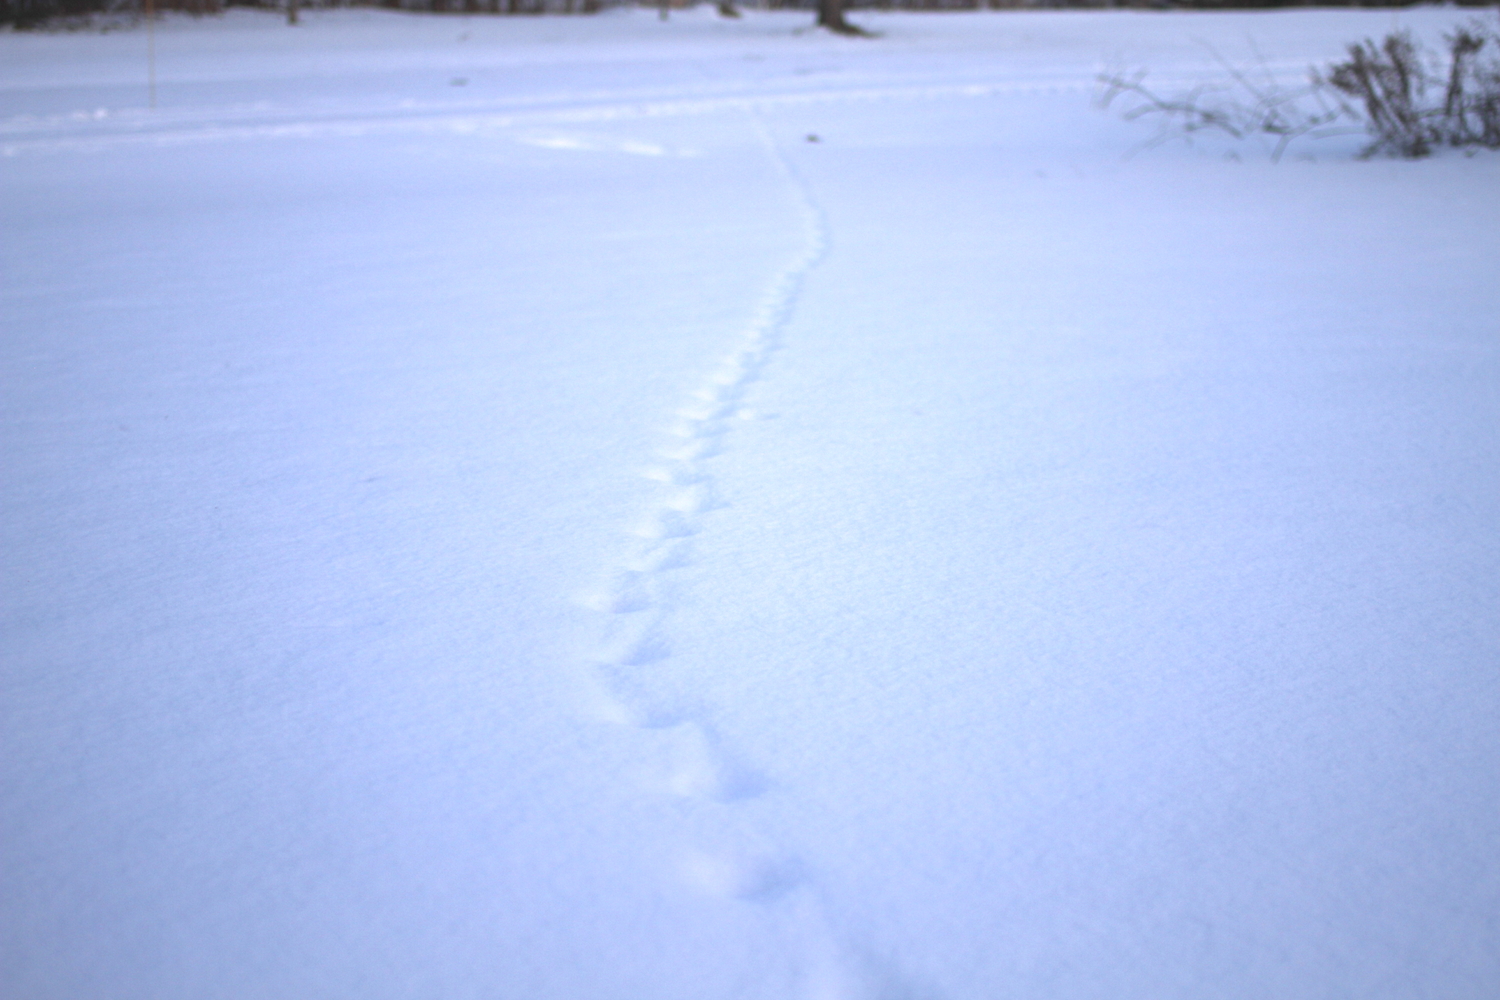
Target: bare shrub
[1407,98]
[1241,108]
[1392,82]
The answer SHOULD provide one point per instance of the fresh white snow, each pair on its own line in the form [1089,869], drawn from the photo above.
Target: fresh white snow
[603,509]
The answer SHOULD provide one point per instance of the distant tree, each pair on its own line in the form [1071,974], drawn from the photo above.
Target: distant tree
[831,16]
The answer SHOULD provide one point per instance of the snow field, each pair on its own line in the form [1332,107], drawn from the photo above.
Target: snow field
[569,534]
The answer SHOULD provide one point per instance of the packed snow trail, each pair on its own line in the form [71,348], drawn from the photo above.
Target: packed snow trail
[103,132]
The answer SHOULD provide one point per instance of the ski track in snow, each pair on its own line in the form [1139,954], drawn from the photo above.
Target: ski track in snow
[91,132]
[625,685]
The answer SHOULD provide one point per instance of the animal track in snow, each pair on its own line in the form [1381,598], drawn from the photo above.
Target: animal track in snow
[634,642]
[706,409]
[677,474]
[655,555]
[695,764]
[694,499]
[666,522]
[636,682]
[692,429]
[834,971]
[624,697]
[758,877]
[692,450]
[624,590]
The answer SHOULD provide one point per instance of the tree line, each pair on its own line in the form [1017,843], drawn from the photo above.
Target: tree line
[24,14]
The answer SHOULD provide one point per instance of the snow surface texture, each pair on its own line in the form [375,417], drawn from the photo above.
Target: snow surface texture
[596,508]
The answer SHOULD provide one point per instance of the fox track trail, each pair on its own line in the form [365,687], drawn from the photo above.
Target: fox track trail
[634,679]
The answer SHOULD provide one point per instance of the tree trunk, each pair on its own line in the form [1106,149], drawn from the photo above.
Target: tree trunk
[831,16]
